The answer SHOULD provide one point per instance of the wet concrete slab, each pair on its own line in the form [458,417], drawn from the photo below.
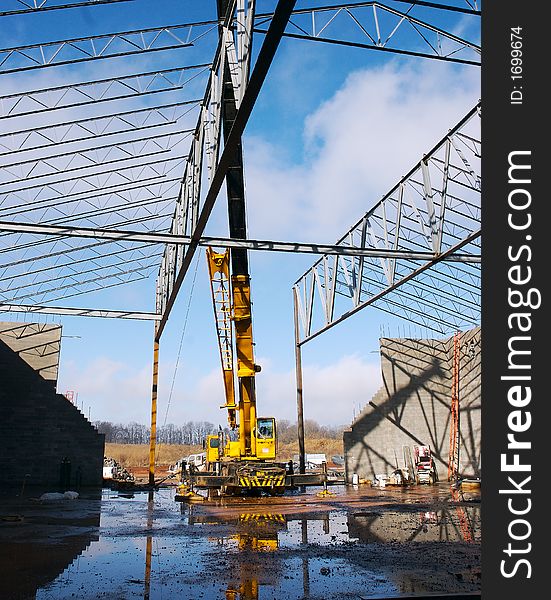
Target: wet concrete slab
[358,543]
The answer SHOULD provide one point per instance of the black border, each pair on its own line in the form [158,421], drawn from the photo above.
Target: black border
[505,128]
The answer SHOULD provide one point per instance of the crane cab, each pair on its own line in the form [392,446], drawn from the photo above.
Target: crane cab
[265,435]
[213,449]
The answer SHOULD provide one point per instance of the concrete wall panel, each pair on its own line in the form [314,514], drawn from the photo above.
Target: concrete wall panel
[413,407]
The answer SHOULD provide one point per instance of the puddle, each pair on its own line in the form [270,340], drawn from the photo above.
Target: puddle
[356,544]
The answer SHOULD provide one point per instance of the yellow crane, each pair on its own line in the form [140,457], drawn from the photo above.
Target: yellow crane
[245,464]
[249,458]
[231,299]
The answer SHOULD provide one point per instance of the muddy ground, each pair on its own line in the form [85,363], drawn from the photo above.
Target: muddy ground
[360,542]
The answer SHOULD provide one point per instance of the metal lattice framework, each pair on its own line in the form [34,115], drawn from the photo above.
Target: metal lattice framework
[48,136]
[376,26]
[19,7]
[110,45]
[435,209]
[107,180]
[73,96]
[101,153]
[205,150]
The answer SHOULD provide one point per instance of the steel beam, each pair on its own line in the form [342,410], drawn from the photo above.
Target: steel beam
[92,128]
[69,183]
[30,204]
[93,286]
[97,91]
[82,177]
[391,288]
[472,10]
[135,40]
[375,26]
[91,155]
[153,237]
[366,46]
[108,45]
[107,263]
[45,285]
[79,312]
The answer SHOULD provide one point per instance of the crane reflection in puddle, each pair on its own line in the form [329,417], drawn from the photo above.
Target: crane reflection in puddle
[256,534]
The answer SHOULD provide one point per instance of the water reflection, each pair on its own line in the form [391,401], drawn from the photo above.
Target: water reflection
[41,544]
[151,547]
[148,546]
[255,532]
[450,523]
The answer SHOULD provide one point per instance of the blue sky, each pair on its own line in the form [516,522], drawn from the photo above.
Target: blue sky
[334,128]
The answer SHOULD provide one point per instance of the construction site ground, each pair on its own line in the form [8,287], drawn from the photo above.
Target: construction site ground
[360,542]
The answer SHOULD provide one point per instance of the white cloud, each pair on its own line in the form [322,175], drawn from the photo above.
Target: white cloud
[114,391]
[202,402]
[357,146]
[331,392]
[118,392]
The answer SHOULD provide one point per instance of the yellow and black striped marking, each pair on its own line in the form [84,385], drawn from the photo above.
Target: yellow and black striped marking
[262,517]
[265,481]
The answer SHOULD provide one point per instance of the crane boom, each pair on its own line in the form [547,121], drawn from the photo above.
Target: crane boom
[219,273]
[246,368]
[235,305]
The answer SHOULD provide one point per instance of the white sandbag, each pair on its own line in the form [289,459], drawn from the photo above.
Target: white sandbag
[57,496]
[52,497]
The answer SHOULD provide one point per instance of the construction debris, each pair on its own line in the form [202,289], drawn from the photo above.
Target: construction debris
[115,475]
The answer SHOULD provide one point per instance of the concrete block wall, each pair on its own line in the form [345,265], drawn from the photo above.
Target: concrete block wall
[413,407]
[470,403]
[38,344]
[40,427]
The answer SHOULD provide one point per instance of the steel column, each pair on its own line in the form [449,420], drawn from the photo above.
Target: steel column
[153,431]
[258,76]
[298,372]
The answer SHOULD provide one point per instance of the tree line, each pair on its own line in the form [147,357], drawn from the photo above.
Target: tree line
[194,432]
[190,433]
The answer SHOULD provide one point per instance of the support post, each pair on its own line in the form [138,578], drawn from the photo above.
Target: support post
[298,371]
[240,280]
[153,431]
